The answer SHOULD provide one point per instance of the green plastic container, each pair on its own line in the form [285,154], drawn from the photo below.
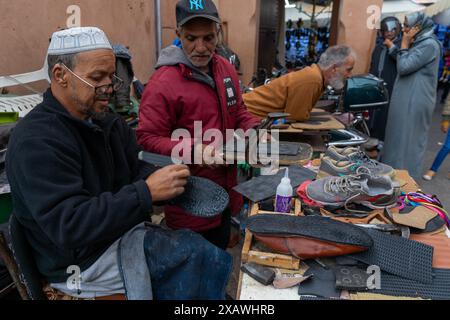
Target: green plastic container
[8,117]
[5,207]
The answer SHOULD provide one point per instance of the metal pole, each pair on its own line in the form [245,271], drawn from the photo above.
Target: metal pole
[11,265]
[158,28]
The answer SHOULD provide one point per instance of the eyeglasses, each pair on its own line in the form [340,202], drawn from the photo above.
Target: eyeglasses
[116,83]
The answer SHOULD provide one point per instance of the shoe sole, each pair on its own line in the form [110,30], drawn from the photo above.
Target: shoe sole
[361,202]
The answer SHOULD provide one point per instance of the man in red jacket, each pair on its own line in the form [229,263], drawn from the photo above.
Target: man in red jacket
[195,84]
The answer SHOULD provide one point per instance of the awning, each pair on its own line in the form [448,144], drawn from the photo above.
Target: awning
[437,7]
[322,13]
[403,7]
[400,8]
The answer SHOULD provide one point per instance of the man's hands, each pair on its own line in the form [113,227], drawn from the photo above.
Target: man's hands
[408,37]
[445,126]
[168,183]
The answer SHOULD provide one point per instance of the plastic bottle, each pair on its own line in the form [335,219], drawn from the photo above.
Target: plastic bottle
[284,195]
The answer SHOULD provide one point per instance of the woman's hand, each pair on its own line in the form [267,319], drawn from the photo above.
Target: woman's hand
[408,37]
[388,43]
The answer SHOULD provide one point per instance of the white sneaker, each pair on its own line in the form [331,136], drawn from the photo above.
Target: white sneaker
[429,176]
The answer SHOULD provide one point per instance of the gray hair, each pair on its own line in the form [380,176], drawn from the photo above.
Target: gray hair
[336,55]
[218,27]
[69,60]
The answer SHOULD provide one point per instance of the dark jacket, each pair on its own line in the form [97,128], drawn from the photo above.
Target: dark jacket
[177,95]
[77,186]
[384,66]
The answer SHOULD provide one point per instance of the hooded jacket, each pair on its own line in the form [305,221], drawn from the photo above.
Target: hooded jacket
[413,101]
[177,95]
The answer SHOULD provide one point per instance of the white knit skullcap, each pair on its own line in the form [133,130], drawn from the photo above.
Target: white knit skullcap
[76,40]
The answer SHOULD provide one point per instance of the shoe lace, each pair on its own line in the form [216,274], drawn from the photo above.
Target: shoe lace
[363,157]
[343,184]
[348,184]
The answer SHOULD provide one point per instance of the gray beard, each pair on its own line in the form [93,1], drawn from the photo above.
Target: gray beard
[337,83]
[88,111]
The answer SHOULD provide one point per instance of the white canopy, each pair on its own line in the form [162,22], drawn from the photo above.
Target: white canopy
[398,8]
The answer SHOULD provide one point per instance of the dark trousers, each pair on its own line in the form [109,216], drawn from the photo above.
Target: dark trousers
[183,266]
[220,236]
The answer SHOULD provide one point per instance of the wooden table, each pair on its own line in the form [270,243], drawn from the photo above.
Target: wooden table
[250,289]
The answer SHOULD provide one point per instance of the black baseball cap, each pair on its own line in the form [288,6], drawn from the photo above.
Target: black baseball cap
[190,9]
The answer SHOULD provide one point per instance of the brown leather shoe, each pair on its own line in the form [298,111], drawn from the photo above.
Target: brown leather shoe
[308,237]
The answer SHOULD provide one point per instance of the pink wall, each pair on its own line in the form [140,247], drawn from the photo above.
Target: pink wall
[240,22]
[26,26]
[353,30]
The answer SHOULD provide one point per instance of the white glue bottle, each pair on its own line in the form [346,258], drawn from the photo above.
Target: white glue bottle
[284,194]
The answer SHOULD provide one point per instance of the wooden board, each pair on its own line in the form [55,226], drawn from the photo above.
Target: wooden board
[265,258]
[290,130]
[326,123]
[317,142]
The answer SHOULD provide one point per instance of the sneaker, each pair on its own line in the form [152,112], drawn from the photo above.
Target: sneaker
[361,188]
[336,153]
[429,175]
[383,201]
[353,158]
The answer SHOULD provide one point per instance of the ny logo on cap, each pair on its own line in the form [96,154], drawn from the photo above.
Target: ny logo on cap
[196,4]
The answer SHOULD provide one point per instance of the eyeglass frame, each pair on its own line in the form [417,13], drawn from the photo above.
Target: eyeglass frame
[96,88]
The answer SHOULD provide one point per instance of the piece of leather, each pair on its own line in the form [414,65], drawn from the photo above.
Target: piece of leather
[441,245]
[307,248]
[434,225]
[288,282]
[351,278]
[417,218]
[439,289]
[322,284]
[399,256]
[377,215]
[264,187]
[373,297]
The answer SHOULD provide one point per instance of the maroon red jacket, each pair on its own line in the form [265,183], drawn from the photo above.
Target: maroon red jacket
[177,95]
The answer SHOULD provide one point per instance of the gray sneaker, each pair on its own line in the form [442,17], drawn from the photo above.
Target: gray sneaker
[336,153]
[338,162]
[361,188]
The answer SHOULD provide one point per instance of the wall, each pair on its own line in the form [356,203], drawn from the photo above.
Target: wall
[240,22]
[353,30]
[27,25]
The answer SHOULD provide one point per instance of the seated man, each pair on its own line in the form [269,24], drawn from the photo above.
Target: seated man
[82,196]
[298,92]
[195,86]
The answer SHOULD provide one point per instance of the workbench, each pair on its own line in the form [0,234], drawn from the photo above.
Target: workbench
[314,132]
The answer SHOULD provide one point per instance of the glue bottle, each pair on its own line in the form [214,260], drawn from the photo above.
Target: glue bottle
[284,194]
